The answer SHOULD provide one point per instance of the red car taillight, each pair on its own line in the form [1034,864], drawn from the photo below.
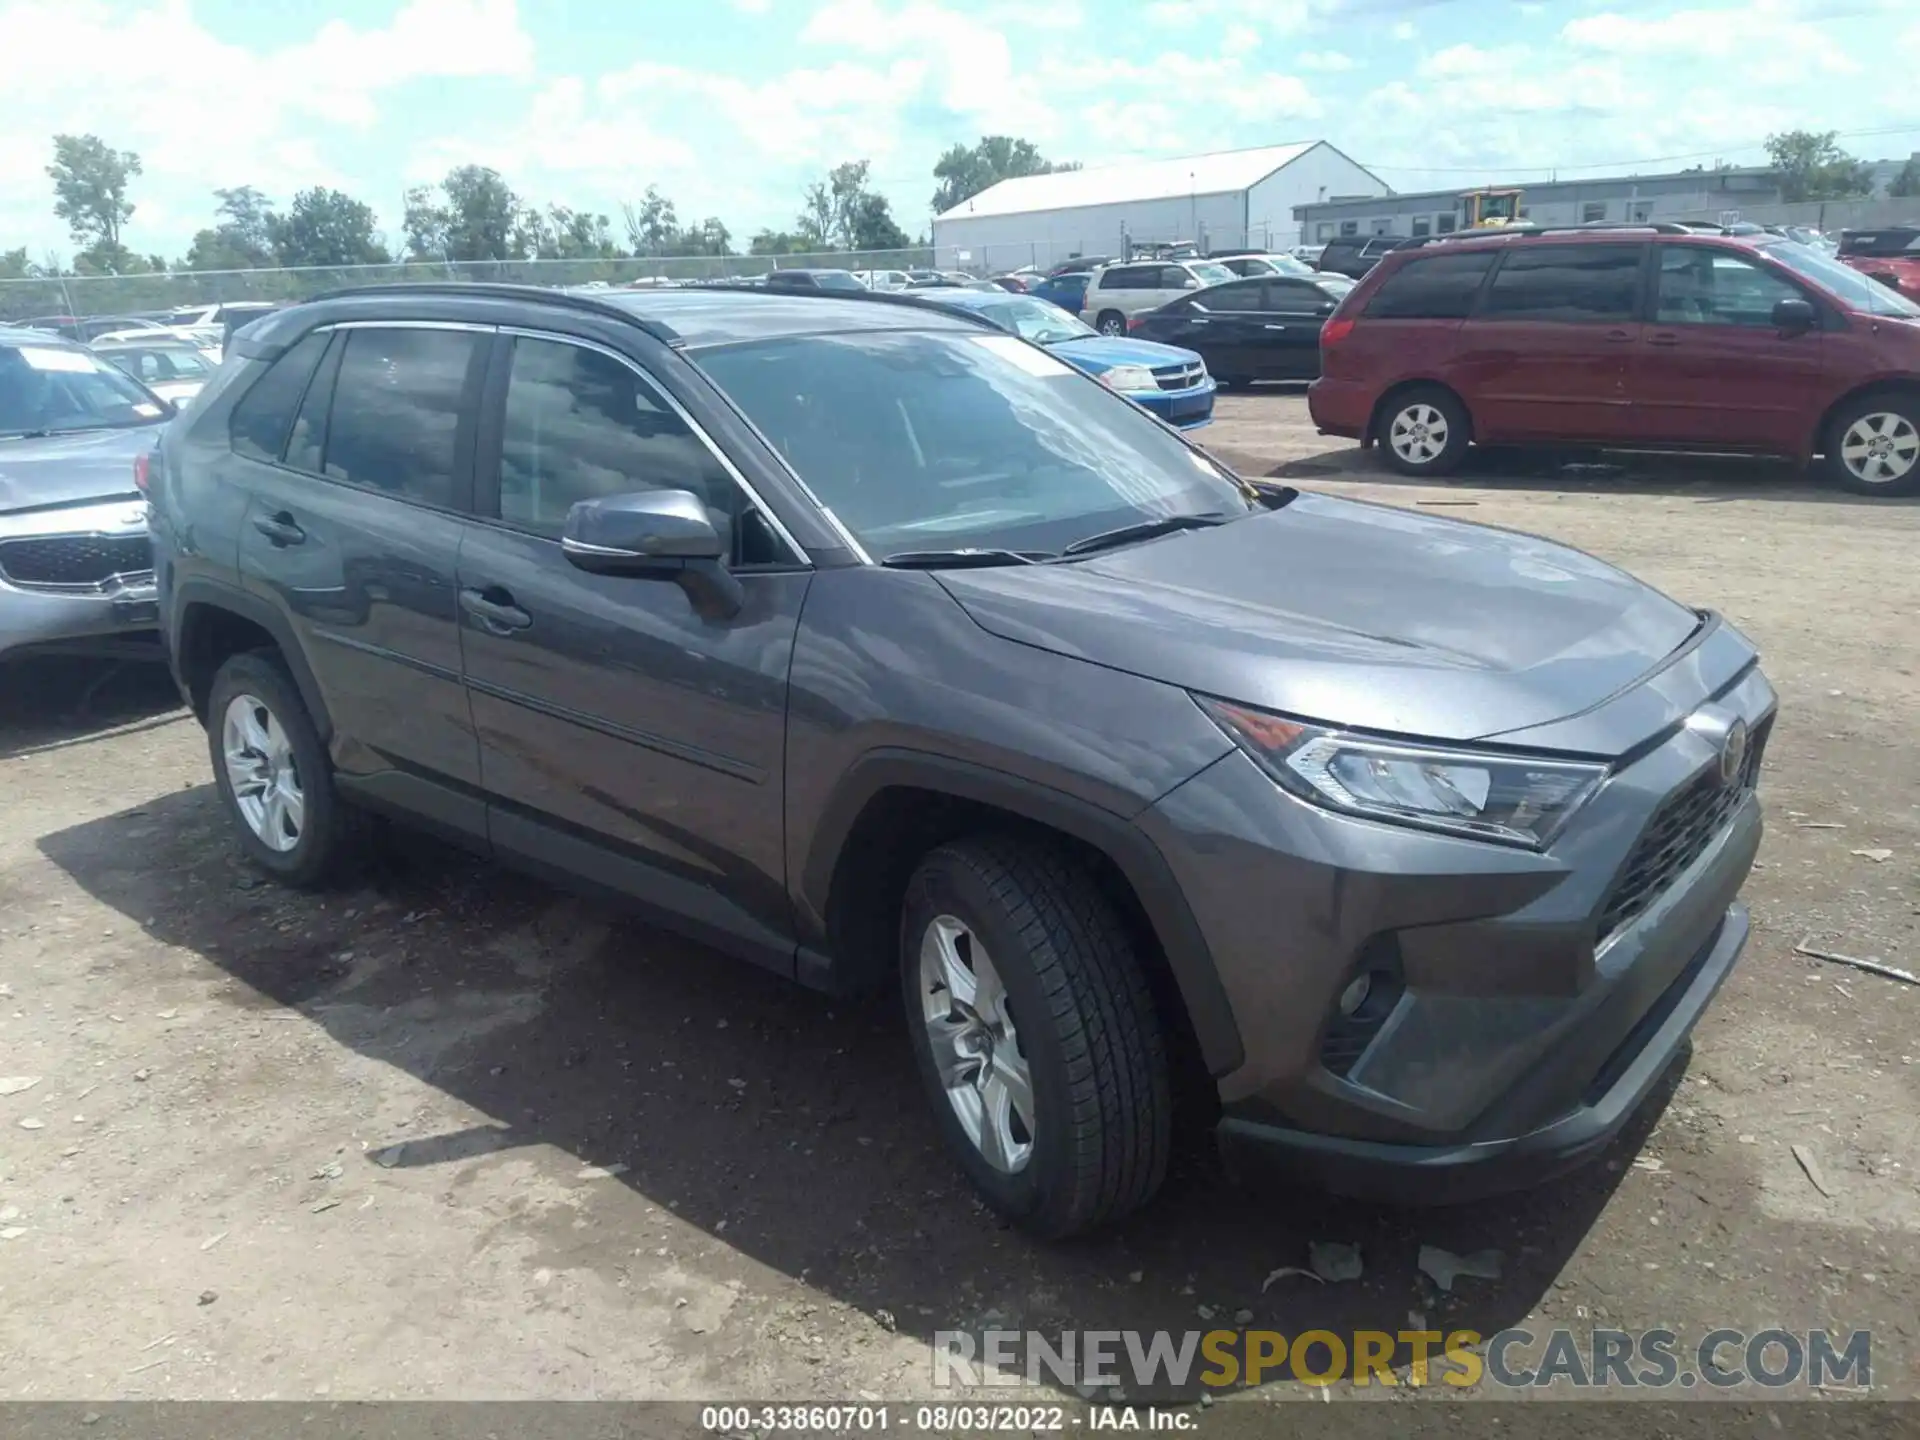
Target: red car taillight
[1335,330]
[140,464]
[1134,322]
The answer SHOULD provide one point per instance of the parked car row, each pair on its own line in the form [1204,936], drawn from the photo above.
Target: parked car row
[1646,336]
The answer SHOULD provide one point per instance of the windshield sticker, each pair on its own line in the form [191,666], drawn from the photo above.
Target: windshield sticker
[73,362]
[1027,357]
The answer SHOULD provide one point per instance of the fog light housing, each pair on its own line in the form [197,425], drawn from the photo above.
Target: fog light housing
[1355,995]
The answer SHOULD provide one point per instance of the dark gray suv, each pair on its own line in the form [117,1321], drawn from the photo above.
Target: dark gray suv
[878,647]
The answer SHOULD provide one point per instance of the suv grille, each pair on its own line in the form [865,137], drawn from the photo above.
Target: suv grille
[1679,833]
[74,562]
[1179,377]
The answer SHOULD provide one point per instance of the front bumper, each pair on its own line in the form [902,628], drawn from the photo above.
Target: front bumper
[61,611]
[1527,1013]
[1187,409]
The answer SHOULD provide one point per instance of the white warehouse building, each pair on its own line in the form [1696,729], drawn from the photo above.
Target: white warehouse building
[1230,199]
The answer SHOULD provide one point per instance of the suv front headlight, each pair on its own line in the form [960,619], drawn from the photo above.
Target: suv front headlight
[1509,798]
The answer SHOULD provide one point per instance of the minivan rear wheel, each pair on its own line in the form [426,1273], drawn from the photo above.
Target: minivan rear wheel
[1111,322]
[1035,1034]
[1873,447]
[1424,431]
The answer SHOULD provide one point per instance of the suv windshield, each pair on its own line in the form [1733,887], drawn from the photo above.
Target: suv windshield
[1210,272]
[1861,292]
[1033,320]
[935,440]
[52,389]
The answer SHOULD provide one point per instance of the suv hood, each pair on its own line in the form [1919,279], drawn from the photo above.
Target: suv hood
[1348,613]
[63,469]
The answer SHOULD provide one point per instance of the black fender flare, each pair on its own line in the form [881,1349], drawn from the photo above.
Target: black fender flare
[1139,860]
[214,595]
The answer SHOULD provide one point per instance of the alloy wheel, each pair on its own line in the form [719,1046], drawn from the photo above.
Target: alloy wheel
[975,1045]
[1880,448]
[1418,434]
[263,773]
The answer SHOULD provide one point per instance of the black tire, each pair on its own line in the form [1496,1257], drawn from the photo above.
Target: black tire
[1085,1024]
[329,832]
[1111,322]
[1889,418]
[1415,455]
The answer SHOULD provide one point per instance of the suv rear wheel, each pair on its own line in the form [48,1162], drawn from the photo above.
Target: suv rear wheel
[1874,447]
[1035,1034]
[273,774]
[1424,431]
[1111,322]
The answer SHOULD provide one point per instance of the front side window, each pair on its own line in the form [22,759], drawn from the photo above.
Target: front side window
[936,440]
[58,388]
[396,412]
[1434,287]
[581,425]
[1296,297]
[1700,286]
[1241,295]
[261,419]
[1576,283]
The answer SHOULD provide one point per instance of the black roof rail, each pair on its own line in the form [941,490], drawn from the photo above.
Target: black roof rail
[1502,232]
[910,299]
[502,290]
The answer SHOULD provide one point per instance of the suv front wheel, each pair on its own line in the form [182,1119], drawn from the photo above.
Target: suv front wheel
[1874,447]
[1424,431]
[272,772]
[1111,322]
[1035,1034]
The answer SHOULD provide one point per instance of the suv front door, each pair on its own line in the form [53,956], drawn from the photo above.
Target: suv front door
[624,735]
[1713,368]
[353,532]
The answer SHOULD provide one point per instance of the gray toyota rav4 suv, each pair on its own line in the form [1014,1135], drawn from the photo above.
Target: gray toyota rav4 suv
[880,648]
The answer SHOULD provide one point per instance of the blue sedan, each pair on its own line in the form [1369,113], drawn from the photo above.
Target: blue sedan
[1171,382]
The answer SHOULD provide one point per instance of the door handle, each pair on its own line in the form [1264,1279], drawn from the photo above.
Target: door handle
[495,610]
[1194,320]
[1666,337]
[281,529]
[1273,327]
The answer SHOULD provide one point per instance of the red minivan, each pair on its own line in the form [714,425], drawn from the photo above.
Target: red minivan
[1645,337]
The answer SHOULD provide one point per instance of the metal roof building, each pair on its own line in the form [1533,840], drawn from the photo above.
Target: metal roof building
[1227,199]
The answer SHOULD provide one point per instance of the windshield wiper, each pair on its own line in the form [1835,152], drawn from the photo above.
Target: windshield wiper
[1145,530]
[957,559]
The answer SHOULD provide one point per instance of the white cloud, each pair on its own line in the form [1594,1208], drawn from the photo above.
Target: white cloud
[203,112]
[1326,61]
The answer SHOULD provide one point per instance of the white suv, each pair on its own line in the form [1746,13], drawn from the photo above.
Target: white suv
[1117,292]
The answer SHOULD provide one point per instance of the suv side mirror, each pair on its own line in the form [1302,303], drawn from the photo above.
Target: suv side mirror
[1189,282]
[655,535]
[1794,317]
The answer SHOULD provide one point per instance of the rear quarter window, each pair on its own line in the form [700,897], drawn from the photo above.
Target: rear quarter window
[1432,287]
[260,421]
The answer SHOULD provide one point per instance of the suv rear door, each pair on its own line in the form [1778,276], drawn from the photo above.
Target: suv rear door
[1549,349]
[624,736]
[353,532]
[1713,368]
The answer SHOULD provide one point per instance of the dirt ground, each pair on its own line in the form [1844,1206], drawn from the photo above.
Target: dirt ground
[371,1145]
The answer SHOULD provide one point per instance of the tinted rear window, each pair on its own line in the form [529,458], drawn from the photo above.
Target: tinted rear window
[1566,283]
[264,415]
[1881,244]
[1434,287]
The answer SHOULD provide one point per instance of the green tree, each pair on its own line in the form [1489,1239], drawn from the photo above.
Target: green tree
[709,237]
[90,181]
[778,242]
[473,216]
[1906,184]
[874,227]
[14,265]
[653,225]
[1811,166]
[241,239]
[841,213]
[965,170]
[325,227]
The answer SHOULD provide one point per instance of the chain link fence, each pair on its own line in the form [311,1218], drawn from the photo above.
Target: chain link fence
[91,295]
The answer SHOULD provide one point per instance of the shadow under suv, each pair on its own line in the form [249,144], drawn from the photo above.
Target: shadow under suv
[880,648]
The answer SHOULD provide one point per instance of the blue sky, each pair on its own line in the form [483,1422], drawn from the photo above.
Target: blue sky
[732,106]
